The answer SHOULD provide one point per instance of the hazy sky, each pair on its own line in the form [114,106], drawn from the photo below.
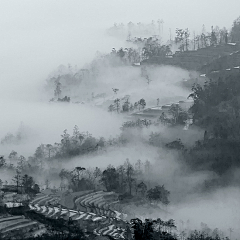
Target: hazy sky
[37,36]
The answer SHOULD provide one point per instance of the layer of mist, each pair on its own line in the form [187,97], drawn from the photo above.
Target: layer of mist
[30,54]
[46,122]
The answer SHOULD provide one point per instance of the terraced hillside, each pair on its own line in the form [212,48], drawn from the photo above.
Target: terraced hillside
[225,62]
[11,226]
[195,60]
[223,66]
[92,211]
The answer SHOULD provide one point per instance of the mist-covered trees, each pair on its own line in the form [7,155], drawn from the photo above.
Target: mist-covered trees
[130,181]
[136,124]
[17,180]
[152,48]
[126,105]
[79,179]
[135,29]
[216,109]
[142,103]
[235,31]
[179,116]
[129,170]
[203,235]
[217,100]
[126,56]
[202,40]
[24,183]
[71,145]
[66,80]
[155,139]
[182,37]
[176,144]
[28,183]
[19,136]
[2,161]
[117,104]
[110,179]
[58,90]
[158,194]
[141,189]
[152,229]
[142,230]
[120,179]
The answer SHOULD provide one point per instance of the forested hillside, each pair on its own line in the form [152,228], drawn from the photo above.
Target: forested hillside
[162,153]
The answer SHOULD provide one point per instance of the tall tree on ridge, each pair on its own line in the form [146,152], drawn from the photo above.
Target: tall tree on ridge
[129,175]
[17,179]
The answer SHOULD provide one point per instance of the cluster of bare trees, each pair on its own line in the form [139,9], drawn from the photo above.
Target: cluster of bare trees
[71,145]
[151,229]
[139,123]
[235,31]
[126,179]
[137,29]
[62,80]
[122,179]
[127,56]
[151,47]
[80,179]
[126,106]
[202,40]
[25,183]
[16,138]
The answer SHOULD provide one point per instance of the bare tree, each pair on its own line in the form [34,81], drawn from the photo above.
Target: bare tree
[147,171]
[148,80]
[129,174]
[186,38]
[111,108]
[117,104]
[47,183]
[57,91]
[49,149]
[17,179]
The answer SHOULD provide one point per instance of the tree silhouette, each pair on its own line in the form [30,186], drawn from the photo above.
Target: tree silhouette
[117,104]
[17,179]
[158,194]
[57,91]
[142,103]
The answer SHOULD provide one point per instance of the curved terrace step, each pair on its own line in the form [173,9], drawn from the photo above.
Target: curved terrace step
[18,226]
[10,218]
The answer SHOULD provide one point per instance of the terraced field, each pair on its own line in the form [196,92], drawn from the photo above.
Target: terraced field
[12,225]
[93,211]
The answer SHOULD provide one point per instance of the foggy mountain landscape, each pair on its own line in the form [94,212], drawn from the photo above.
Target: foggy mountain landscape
[120,120]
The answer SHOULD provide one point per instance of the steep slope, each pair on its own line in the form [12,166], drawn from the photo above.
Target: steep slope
[195,59]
